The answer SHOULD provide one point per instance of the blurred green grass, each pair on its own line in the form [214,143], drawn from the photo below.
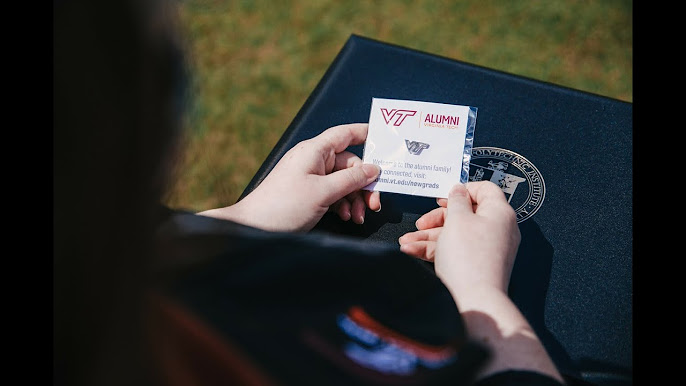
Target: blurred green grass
[254,64]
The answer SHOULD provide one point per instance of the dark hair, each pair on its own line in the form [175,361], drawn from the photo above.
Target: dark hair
[118,91]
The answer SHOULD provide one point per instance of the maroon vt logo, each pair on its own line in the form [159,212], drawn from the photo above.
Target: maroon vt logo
[398,115]
[415,147]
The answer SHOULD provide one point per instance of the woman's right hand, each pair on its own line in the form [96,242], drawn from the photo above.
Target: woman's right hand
[472,236]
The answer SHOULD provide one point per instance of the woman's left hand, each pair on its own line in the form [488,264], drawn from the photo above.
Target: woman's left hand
[315,176]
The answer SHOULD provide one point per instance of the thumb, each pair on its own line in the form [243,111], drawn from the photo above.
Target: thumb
[459,203]
[345,181]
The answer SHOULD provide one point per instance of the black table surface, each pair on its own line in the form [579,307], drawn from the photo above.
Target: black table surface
[573,273]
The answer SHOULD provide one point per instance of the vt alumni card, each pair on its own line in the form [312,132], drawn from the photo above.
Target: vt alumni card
[423,148]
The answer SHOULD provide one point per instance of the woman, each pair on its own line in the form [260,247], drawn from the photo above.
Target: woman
[131,276]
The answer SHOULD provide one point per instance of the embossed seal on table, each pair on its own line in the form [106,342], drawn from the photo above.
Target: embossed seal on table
[514,174]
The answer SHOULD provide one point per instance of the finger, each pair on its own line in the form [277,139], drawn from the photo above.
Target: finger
[341,161]
[343,182]
[425,250]
[488,198]
[342,209]
[424,235]
[357,208]
[443,202]
[459,204]
[432,219]
[358,198]
[340,137]
[372,199]
[346,159]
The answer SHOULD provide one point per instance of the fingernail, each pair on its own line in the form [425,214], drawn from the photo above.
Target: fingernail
[378,210]
[458,189]
[371,170]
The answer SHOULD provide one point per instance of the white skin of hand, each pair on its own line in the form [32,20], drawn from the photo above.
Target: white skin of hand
[473,238]
[315,176]
[479,241]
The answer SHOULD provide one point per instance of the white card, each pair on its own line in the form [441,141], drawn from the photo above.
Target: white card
[423,148]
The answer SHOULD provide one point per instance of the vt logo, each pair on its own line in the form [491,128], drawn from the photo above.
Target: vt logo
[414,147]
[398,115]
